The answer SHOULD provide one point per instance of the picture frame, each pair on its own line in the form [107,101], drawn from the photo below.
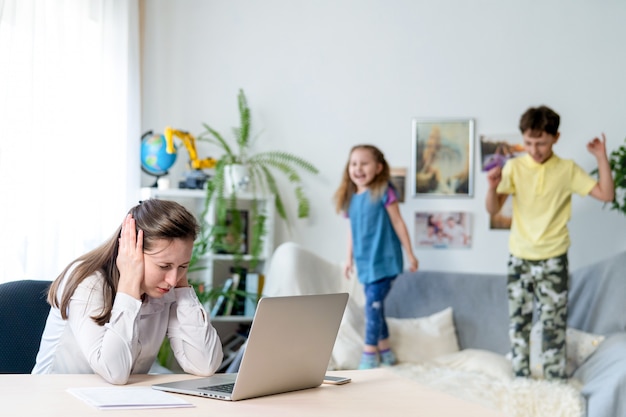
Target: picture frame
[398,179]
[504,217]
[443,152]
[442,230]
[496,149]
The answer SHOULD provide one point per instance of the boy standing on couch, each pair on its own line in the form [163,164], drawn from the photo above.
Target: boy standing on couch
[541,185]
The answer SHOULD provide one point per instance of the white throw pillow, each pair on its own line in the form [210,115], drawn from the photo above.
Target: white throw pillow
[420,339]
[579,346]
[481,361]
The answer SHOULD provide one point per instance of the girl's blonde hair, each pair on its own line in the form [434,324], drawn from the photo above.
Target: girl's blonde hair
[159,219]
[377,187]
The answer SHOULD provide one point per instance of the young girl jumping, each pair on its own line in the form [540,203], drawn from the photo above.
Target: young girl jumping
[377,236]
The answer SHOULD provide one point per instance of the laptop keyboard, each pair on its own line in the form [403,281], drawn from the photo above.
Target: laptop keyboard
[228,388]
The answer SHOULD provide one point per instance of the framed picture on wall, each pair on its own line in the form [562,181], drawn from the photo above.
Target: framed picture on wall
[442,157]
[503,218]
[442,230]
[398,179]
[495,150]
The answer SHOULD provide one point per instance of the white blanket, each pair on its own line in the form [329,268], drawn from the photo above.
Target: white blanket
[518,397]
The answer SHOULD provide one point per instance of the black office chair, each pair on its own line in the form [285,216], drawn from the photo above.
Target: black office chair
[23,314]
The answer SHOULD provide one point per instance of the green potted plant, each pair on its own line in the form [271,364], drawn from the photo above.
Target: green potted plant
[617,162]
[239,170]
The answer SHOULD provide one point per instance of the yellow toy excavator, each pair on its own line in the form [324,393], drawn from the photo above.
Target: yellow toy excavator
[195,178]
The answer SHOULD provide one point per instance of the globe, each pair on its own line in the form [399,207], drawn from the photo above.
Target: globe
[154,157]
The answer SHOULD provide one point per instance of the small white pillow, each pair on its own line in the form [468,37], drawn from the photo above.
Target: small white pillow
[480,361]
[579,346]
[420,339]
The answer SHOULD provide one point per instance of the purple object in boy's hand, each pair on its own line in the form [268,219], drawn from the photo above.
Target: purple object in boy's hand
[494,161]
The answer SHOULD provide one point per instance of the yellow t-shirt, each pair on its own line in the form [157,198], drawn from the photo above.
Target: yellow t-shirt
[542,195]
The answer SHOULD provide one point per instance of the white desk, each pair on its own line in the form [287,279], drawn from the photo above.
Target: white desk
[377,392]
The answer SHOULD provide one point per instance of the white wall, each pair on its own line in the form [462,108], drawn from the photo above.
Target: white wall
[324,75]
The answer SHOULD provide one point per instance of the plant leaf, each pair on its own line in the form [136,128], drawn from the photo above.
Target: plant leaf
[215,138]
[303,203]
[273,188]
[243,132]
[285,158]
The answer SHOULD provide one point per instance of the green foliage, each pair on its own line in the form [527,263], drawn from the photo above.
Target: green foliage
[205,297]
[259,165]
[258,230]
[225,235]
[164,356]
[617,162]
[288,164]
[262,168]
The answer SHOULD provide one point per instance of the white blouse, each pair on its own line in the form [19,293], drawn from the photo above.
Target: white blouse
[129,342]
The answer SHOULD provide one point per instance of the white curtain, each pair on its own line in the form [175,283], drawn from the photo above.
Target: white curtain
[69,129]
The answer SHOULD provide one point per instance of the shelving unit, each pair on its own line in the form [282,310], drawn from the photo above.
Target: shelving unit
[216,267]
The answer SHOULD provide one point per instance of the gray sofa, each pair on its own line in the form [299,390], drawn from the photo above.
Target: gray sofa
[597,304]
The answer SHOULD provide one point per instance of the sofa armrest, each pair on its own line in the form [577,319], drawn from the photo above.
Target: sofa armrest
[603,376]
[294,270]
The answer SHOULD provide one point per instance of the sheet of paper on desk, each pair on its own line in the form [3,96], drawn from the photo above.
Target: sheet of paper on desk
[117,398]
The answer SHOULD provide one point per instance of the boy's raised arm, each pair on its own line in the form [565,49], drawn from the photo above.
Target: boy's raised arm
[604,190]
[494,201]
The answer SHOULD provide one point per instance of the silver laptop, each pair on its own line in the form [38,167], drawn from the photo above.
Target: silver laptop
[288,348]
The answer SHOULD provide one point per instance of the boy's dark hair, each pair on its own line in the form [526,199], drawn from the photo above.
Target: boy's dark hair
[540,119]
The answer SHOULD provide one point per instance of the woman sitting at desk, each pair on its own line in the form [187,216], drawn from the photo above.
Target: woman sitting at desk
[112,307]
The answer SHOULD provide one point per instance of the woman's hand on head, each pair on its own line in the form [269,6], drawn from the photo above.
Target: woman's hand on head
[130,260]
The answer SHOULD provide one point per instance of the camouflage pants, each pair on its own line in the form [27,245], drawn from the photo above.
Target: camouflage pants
[544,283]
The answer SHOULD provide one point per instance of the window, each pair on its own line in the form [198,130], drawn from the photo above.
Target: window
[69,129]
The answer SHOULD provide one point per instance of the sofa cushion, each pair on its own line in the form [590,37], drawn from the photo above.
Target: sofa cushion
[416,340]
[479,302]
[579,346]
[412,340]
